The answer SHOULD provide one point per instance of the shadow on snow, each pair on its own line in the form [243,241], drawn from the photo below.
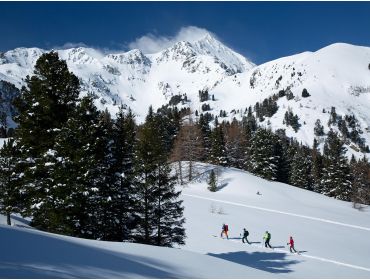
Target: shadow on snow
[273,262]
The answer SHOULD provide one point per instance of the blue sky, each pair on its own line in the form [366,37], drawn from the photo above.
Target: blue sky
[262,31]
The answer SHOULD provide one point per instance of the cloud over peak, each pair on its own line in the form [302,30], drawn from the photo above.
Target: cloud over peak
[151,43]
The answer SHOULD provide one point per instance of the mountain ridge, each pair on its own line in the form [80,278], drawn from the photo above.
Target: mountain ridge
[334,76]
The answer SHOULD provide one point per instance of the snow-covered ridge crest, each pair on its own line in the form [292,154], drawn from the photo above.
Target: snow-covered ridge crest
[334,76]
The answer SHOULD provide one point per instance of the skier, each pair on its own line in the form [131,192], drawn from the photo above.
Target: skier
[267,238]
[245,236]
[291,243]
[225,229]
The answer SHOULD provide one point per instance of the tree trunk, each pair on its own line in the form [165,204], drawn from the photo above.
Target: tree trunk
[180,173]
[8,219]
[190,170]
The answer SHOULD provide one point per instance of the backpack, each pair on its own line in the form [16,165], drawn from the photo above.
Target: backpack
[226,228]
[246,233]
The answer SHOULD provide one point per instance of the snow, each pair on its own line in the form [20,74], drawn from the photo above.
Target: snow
[331,235]
[327,230]
[3,141]
[336,75]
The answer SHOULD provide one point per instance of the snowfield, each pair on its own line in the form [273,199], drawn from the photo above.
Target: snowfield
[337,76]
[331,236]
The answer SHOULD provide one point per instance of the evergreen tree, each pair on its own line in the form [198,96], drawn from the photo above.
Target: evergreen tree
[261,156]
[218,150]
[9,181]
[333,117]
[159,212]
[318,129]
[317,165]
[124,141]
[301,169]
[212,181]
[203,124]
[361,182]
[76,175]
[335,181]
[305,93]
[46,103]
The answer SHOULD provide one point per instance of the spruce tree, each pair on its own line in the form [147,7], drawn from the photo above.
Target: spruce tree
[261,155]
[159,210]
[317,165]
[218,150]
[76,172]
[46,103]
[212,181]
[318,129]
[336,180]
[124,141]
[301,169]
[361,182]
[9,181]
[203,124]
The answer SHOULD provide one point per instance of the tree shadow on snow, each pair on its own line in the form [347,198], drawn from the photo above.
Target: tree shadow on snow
[27,254]
[273,262]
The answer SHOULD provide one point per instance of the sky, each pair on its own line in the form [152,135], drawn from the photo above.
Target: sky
[261,31]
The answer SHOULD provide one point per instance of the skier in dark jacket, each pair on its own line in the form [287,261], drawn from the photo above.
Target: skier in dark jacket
[291,243]
[267,238]
[245,236]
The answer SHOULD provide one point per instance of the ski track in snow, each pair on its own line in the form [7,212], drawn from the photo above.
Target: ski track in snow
[312,257]
[279,212]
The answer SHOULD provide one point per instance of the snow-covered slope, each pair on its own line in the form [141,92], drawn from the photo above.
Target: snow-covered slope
[331,236]
[134,78]
[330,233]
[28,253]
[335,76]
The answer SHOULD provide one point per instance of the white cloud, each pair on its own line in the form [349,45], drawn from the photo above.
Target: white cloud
[151,43]
[70,45]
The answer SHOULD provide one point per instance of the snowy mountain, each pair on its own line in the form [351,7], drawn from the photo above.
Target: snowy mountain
[330,235]
[335,76]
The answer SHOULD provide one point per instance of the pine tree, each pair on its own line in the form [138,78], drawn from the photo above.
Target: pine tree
[261,157]
[336,181]
[203,124]
[318,129]
[212,181]
[301,169]
[159,212]
[76,174]
[124,141]
[218,150]
[9,181]
[317,165]
[333,117]
[44,107]
[361,182]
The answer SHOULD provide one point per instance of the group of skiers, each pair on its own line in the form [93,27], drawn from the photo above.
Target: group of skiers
[266,238]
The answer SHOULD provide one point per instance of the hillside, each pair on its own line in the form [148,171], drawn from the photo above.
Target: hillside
[330,234]
[335,76]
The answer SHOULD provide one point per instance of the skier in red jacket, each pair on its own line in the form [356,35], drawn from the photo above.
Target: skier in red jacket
[225,229]
[291,243]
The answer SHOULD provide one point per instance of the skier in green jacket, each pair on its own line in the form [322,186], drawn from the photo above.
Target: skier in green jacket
[267,238]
